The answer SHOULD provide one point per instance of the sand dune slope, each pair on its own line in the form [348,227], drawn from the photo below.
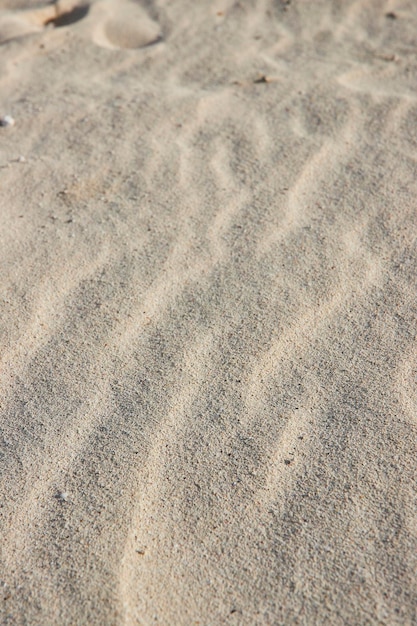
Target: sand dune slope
[208,312]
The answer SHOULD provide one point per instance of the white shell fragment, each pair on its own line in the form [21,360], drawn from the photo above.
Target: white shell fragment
[62,495]
[7,120]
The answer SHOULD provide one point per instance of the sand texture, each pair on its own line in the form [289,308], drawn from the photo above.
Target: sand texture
[208,360]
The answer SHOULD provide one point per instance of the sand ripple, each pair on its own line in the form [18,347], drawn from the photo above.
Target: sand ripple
[208,313]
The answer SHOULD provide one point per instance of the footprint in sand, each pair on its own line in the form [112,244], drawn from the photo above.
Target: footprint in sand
[114,24]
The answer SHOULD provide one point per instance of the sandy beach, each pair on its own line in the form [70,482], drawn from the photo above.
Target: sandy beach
[208,358]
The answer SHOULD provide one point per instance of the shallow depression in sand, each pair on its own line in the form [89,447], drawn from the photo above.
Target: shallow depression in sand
[117,24]
[123,35]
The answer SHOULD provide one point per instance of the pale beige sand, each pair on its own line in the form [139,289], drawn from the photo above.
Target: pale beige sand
[208,312]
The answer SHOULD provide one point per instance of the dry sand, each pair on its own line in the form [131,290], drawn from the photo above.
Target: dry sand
[208,312]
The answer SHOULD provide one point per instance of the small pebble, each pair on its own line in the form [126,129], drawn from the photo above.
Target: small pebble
[62,495]
[262,79]
[7,120]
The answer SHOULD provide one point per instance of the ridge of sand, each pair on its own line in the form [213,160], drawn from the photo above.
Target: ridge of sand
[208,312]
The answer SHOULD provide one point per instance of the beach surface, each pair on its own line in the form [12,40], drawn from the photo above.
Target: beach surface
[208,312]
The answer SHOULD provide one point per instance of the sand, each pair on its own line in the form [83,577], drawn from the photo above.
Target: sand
[208,312]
